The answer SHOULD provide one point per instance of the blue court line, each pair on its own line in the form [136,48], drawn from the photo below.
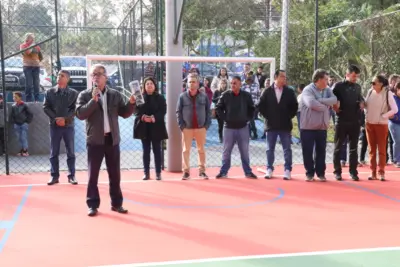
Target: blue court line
[372,191]
[252,204]
[10,224]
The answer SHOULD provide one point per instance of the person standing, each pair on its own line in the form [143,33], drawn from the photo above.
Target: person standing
[149,125]
[380,105]
[31,60]
[348,112]
[59,105]
[316,102]
[394,126]
[278,105]
[194,118]
[236,108]
[100,107]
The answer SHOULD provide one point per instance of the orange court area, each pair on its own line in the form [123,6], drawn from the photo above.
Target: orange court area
[175,220]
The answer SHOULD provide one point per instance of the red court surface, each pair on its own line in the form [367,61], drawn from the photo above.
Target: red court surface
[173,220]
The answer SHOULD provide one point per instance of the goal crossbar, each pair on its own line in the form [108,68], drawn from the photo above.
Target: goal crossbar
[270,60]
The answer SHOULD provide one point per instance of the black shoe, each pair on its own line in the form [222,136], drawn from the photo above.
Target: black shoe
[354,177]
[72,180]
[92,212]
[53,181]
[221,175]
[186,176]
[338,177]
[203,175]
[158,176]
[146,177]
[251,175]
[119,210]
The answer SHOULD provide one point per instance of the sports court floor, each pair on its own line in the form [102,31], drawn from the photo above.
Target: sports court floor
[233,222]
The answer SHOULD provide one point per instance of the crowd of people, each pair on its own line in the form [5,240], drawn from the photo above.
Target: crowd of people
[234,102]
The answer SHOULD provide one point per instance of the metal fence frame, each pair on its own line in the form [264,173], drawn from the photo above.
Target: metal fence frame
[4,57]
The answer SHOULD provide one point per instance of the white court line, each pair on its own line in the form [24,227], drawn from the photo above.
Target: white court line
[266,256]
[177,179]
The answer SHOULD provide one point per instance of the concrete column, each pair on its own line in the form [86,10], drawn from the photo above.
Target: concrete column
[284,33]
[174,84]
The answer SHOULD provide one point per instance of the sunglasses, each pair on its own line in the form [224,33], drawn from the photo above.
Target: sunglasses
[373,83]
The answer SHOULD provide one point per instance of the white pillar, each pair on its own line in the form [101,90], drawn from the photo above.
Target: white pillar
[174,84]
[284,33]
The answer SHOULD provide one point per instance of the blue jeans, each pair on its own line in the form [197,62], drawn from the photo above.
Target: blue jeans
[286,140]
[311,139]
[242,138]
[32,82]
[394,129]
[56,134]
[21,131]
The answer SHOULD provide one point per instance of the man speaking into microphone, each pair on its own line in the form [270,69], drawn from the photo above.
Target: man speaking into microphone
[100,107]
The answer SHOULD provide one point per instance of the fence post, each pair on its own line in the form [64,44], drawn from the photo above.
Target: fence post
[3,85]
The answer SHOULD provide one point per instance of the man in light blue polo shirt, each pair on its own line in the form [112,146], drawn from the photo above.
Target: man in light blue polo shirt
[316,100]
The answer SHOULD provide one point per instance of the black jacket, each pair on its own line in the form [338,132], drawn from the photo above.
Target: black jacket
[278,116]
[235,110]
[154,105]
[60,103]
[20,114]
[350,96]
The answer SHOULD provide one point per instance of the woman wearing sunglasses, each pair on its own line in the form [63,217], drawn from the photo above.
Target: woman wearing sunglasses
[380,106]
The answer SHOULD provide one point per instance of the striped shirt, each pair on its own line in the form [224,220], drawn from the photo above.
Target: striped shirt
[60,102]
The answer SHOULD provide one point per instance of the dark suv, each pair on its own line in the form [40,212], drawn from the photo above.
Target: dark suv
[76,65]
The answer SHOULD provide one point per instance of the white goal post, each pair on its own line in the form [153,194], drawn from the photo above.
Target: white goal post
[90,58]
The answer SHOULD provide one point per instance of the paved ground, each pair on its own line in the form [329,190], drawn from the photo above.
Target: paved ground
[131,157]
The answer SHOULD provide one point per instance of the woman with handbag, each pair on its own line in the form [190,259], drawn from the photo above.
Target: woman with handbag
[31,60]
[149,125]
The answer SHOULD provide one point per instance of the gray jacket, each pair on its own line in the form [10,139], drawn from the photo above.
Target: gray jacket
[184,110]
[92,111]
[315,108]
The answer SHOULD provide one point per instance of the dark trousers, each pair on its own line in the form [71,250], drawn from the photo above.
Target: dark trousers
[311,139]
[342,132]
[56,135]
[32,83]
[286,141]
[111,153]
[389,144]
[220,127]
[147,146]
[364,144]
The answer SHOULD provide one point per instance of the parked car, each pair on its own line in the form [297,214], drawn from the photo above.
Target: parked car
[76,66]
[15,77]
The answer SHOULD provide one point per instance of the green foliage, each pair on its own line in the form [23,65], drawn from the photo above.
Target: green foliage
[372,43]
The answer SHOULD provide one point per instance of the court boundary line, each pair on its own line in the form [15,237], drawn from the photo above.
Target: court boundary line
[253,257]
[174,179]
[11,223]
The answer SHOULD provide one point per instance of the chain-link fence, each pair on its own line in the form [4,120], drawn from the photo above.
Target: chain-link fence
[82,29]
[349,32]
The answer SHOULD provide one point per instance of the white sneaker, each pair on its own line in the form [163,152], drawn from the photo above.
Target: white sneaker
[268,175]
[286,176]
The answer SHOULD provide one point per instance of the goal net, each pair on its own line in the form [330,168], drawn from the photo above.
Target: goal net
[170,74]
